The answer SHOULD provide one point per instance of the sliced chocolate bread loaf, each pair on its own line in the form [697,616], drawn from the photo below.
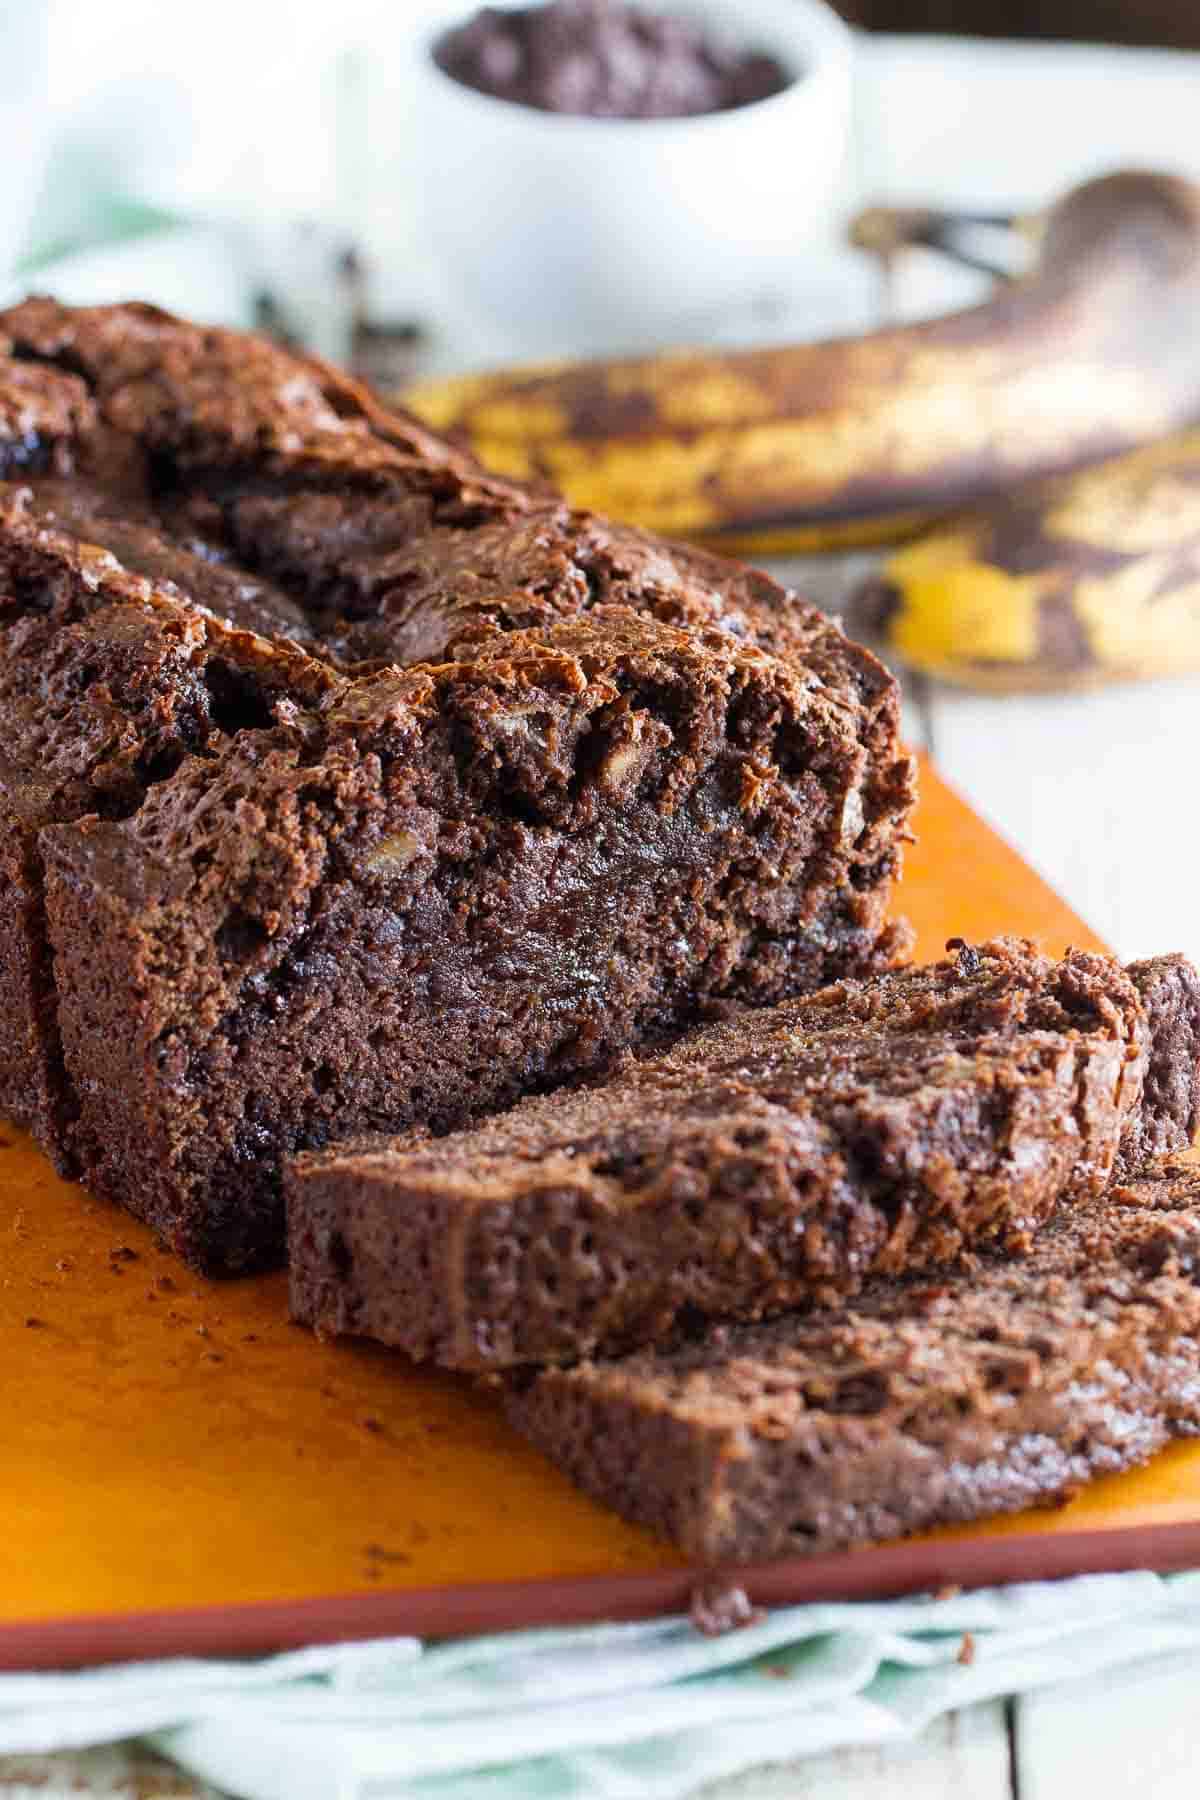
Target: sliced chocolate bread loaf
[781,1156]
[256,891]
[1003,1385]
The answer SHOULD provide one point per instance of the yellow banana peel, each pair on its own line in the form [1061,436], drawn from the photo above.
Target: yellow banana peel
[864,440]
[1089,579]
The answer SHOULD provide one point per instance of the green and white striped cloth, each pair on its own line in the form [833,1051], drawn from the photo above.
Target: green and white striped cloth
[609,1712]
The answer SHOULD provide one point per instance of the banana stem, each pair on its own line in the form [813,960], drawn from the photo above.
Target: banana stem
[884,231]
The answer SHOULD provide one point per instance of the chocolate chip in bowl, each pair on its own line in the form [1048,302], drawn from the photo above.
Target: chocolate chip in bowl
[603,59]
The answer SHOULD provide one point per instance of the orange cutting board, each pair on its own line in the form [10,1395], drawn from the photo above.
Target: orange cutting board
[185,1471]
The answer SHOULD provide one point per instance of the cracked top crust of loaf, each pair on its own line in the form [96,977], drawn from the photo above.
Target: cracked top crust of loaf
[280,496]
[146,462]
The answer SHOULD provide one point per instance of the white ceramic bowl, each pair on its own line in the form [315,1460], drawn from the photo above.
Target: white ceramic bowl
[575,233]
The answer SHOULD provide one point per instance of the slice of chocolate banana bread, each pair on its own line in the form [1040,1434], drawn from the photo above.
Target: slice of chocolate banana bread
[1169,1116]
[104,691]
[1003,1385]
[344,787]
[779,1156]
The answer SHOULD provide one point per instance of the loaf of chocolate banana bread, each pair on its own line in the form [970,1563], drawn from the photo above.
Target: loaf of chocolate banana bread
[346,788]
[777,1157]
[1001,1385]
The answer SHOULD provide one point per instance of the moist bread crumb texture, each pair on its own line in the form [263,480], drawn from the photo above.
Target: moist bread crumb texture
[777,1158]
[345,788]
[997,1386]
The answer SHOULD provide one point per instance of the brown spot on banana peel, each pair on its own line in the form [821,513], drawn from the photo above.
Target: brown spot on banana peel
[1078,582]
[1093,351]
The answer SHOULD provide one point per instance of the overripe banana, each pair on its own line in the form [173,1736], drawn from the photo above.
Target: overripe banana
[1091,578]
[1093,351]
